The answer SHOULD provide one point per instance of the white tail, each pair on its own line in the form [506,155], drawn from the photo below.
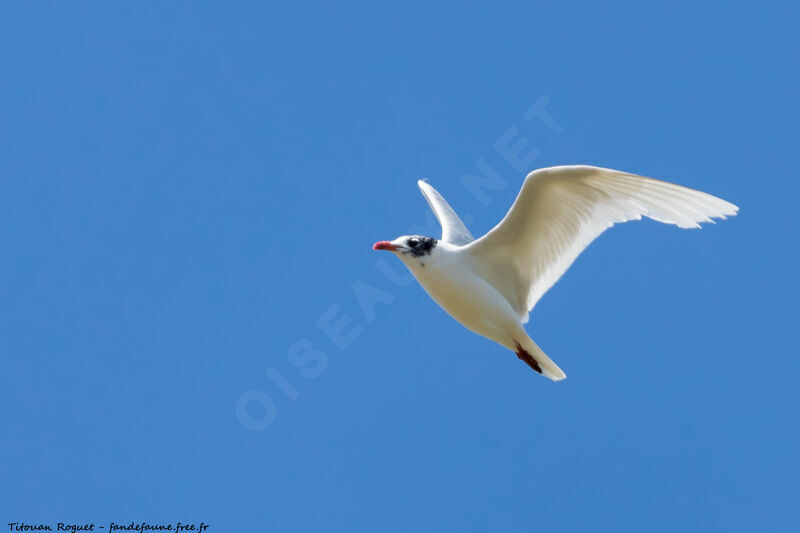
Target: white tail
[545,365]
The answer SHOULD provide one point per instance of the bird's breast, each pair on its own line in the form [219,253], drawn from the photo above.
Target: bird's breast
[466,297]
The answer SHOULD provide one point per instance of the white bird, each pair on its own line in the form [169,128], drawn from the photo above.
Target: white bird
[490,285]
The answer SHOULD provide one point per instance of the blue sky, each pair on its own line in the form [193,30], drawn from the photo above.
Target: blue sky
[189,193]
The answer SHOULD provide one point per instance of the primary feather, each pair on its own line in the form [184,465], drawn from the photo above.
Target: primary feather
[560,210]
[453,229]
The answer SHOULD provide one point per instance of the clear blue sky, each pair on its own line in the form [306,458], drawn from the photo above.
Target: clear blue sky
[189,194]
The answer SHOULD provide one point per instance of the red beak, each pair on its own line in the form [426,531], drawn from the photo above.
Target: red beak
[384,245]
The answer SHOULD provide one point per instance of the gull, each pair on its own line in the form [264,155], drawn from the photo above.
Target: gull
[491,284]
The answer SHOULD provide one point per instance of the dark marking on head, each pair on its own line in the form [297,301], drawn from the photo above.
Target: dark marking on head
[420,246]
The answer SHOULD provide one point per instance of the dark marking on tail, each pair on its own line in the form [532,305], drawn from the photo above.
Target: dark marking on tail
[528,358]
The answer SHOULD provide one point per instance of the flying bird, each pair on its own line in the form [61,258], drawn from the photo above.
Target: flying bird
[491,284]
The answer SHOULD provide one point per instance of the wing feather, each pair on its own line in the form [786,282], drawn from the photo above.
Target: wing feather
[561,210]
[453,229]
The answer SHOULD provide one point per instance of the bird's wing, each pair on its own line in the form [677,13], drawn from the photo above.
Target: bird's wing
[560,210]
[453,229]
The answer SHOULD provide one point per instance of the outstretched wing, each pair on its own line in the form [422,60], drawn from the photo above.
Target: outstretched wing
[453,229]
[560,210]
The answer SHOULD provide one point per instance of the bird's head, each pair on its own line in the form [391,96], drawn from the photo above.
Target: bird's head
[408,246]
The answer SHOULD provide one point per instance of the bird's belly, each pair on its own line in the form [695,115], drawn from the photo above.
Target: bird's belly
[471,301]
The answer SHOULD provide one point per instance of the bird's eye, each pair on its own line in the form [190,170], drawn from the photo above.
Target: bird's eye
[413,243]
